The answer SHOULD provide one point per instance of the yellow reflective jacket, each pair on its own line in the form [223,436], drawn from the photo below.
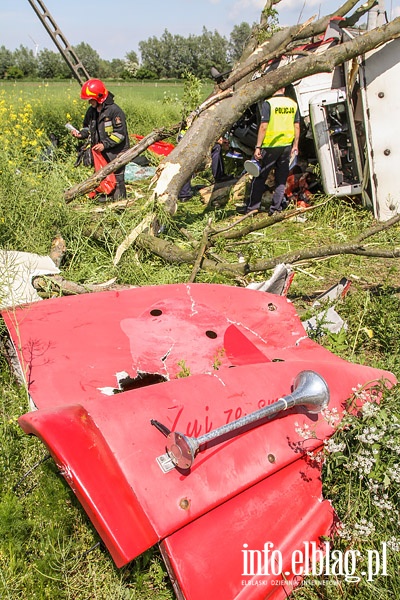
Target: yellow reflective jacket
[280,130]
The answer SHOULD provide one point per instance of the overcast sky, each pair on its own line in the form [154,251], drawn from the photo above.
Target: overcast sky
[114,27]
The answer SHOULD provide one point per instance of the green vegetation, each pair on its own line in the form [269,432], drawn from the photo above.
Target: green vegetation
[169,56]
[361,477]
[48,548]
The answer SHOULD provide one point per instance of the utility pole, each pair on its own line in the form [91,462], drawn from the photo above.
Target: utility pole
[67,52]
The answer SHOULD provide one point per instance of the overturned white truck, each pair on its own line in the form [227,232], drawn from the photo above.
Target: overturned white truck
[350,123]
[354,129]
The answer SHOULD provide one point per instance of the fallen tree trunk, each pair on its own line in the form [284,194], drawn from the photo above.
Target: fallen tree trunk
[218,113]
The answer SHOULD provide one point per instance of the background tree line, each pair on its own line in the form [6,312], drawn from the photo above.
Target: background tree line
[169,56]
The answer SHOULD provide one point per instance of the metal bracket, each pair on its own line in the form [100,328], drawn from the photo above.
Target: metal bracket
[165,463]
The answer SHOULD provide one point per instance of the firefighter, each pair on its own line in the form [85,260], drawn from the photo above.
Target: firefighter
[277,143]
[105,125]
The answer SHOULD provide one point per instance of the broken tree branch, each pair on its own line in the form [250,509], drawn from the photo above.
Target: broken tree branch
[358,13]
[57,250]
[202,248]
[92,182]
[144,225]
[55,284]
[377,228]
[262,222]
[282,41]
[172,253]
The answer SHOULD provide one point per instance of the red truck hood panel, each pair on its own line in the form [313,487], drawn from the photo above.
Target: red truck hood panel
[238,350]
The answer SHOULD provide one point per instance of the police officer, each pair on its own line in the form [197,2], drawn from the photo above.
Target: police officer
[105,125]
[277,142]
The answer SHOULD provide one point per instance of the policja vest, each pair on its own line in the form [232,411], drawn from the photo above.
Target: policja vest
[280,130]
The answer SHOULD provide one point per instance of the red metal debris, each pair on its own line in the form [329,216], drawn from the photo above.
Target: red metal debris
[100,367]
[160,147]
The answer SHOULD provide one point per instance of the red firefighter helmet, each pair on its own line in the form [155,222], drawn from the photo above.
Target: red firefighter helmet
[94,89]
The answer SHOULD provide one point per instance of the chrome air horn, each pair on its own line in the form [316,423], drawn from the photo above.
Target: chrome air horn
[309,390]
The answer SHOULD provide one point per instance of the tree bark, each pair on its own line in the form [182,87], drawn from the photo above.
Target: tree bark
[286,39]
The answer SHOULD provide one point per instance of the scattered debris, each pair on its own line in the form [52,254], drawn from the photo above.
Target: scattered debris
[218,194]
[134,172]
[279,283]
[17,270]
[328,319]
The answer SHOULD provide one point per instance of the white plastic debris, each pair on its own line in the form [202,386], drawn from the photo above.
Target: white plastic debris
[17,269]
[328,319]
[278,283]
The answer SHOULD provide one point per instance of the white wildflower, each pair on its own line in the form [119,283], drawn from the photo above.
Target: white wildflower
[382,502]
[364,528]
[369,409]
[373,485]
[394,472]
[304,432]
[363,462]
[393,445]
[361,393]
[394,543]
[370,435]
[331,416]
[332,446]
[316,457]
[345,531]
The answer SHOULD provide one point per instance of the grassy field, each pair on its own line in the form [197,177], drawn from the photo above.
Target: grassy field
[146,104]
[48,548]
[127,94]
